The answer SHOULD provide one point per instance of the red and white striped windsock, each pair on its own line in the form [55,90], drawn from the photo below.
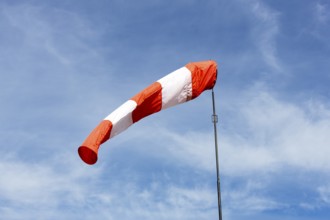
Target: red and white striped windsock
[177,87]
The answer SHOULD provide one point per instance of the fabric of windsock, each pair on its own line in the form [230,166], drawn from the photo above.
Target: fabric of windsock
[177,87]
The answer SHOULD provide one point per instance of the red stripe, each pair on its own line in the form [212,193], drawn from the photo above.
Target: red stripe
[203,76]
[89,149]
[148,101]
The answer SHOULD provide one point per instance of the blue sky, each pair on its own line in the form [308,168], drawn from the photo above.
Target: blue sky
[65,65]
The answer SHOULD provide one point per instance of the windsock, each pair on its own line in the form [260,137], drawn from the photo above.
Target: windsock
[180,86]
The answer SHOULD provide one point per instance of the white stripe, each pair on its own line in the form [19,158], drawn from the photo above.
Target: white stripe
[121,118]
[176,87]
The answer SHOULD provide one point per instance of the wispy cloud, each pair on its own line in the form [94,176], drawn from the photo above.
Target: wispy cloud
[320,28]
[251,199]
[41,188]
[280,133]
[265,30]
[324,192]
[322,13]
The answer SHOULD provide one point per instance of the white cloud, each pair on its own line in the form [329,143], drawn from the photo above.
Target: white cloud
[272,134]
[261,133]
[42,188]
[162,202]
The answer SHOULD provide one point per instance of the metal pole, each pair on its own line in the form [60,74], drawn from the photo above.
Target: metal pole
[215,120]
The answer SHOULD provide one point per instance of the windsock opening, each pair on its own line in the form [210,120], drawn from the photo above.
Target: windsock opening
[87,155]
[89,149]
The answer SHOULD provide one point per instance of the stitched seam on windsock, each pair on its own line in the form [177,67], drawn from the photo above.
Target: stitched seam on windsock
[176,87]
